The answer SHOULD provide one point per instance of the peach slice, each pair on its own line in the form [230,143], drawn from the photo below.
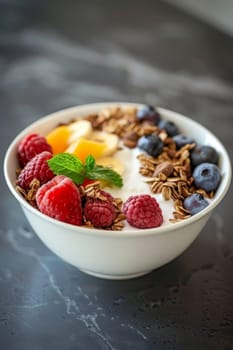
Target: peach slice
[58,139]
[82,148]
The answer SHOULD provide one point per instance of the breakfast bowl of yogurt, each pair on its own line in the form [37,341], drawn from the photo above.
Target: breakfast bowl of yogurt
[117,189]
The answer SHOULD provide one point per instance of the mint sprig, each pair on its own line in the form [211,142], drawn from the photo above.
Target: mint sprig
[71,166]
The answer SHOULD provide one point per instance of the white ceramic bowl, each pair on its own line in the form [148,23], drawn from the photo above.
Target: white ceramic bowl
[117,254]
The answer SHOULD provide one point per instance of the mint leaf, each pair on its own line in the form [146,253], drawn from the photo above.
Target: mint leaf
[71,166]
[68,165]
[89,163]
[100,172]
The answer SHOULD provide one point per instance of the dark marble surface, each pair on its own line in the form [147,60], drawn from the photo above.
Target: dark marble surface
[55,54]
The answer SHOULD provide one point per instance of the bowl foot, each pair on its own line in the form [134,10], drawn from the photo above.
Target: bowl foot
[115,276]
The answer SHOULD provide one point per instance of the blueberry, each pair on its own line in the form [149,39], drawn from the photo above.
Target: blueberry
[152,144]
[169,127]
[182,140]
[207,176]
[195,203]
[203,154]
[148,113]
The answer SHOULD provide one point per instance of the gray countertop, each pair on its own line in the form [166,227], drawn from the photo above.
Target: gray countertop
[57,54]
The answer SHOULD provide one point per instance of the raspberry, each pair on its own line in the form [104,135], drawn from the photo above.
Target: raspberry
[31,145]
[101,213]
[143,211]
[108,197]
[60,199]
[36,168]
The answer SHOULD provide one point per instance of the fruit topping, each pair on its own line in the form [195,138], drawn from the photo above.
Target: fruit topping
[110,141]
[148,113]
[195,203]
[58,139]
[60,199]
[203,154]
[207,176]
[36,168]
[182,140]
[100,212]
[82,148]
[62,136]
[79,129]
[151,144]
[31,145]
[169,127]
[143,211]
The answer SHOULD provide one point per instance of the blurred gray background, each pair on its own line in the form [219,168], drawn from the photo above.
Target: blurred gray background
[216,12]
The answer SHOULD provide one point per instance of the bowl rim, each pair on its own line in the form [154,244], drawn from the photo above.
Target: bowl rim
[126,232]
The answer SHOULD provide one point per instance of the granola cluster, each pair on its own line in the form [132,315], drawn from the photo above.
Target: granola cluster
[29,194]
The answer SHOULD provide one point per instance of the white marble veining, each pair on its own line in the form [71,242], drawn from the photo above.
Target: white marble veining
[74,307]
